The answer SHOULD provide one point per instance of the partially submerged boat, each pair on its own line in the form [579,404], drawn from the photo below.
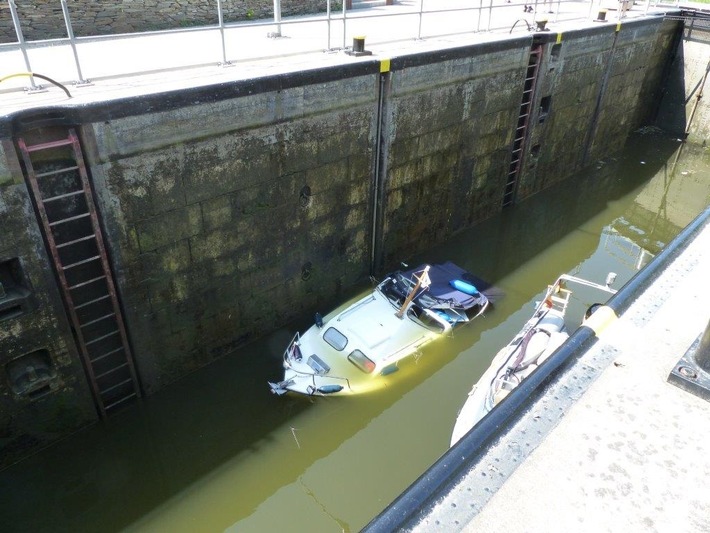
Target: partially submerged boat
[349,349]
[541,335]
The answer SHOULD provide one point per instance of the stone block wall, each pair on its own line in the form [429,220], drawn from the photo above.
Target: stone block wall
[232,218]
[451,124]
[232,210]
[43,19]
[601,86]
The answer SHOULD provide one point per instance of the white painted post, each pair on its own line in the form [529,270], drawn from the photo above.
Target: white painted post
[277,19]
[21,40]
[72,43]
[220,21]
[345,25]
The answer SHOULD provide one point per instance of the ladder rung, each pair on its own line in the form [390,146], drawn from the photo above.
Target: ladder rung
[52,144]
[77,217]
[92,301]
[102,337]
[124,365]
[61,196]
[114,404]
[81,239]
[55,172]
[97,320]
[86,282]
[104,391]
[103,356]
[83,261]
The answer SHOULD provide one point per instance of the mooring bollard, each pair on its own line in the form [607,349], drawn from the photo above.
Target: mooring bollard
[692,373]
[601,16]
[358,44]
[358,47]
[541,25]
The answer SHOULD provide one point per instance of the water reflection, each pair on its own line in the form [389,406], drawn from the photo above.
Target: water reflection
[219,452]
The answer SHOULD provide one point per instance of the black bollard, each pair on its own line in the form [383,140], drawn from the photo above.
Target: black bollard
[358,47]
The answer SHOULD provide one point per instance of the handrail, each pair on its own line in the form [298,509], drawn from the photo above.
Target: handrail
[420,11]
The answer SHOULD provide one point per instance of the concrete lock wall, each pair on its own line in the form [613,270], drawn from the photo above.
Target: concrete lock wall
[43,19]
[231,210]
[231,218]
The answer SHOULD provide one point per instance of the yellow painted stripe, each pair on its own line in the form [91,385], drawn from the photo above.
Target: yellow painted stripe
[618,26]
[600,319]
[559,38]
[384,66]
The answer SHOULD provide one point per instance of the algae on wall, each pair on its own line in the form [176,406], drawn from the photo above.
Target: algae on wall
[243,215]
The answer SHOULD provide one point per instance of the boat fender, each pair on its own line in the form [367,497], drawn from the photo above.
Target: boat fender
[390,369]
[463,286]
[591,309]
[330,389]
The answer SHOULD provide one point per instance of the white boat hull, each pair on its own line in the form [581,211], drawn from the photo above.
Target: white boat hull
[541,335]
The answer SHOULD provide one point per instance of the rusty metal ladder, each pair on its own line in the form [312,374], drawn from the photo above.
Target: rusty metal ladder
[68,214]
[523,122]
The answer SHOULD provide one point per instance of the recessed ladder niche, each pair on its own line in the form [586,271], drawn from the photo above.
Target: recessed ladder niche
[57,176]
[521,130]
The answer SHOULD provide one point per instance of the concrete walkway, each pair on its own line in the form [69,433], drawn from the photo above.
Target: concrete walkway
[132,65]
[630,452]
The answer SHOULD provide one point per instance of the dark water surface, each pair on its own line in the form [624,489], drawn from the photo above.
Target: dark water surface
[218,452]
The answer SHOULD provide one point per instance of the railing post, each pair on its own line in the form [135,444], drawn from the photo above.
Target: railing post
[480,13]
[277,19]
[21,41]
[220,21]
[421,13]
[327,16]
[345,26]
[72,43]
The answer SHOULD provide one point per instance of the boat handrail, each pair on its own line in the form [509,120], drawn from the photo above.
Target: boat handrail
[587,283]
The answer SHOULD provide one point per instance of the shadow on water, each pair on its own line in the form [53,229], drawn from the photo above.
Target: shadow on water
[505,242]
[201,435]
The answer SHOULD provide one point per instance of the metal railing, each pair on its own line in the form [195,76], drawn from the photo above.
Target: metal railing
[464,17]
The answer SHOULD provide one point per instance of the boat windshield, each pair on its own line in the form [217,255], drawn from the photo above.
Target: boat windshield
[395,288]
[426,319]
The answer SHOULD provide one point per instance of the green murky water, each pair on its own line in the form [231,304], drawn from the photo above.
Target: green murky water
[218,452]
